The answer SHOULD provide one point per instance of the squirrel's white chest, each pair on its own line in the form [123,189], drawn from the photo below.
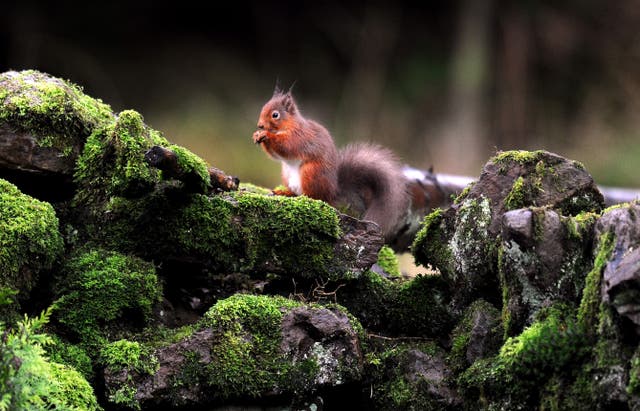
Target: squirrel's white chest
[291,174]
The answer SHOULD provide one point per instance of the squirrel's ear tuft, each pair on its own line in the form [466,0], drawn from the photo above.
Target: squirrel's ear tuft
[289,103]
[276,90]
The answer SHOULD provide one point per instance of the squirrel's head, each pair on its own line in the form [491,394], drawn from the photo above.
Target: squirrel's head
[278,112]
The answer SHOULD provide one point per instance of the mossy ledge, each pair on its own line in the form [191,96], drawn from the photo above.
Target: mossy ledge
[126,205]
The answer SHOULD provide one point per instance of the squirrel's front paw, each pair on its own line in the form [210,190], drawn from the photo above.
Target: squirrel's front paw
[259,136]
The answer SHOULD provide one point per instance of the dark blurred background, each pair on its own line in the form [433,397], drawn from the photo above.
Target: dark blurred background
[444,84]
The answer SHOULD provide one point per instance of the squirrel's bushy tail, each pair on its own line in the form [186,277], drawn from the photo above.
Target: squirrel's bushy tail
[372,186]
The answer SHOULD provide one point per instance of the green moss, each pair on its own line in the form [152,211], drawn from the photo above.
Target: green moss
[413,307]
[539,214]
[368,298]
[461,335]
[388,261]
[133,357]
[547,346]
[192,164]
[518,156]
[619,205]
[419,307]
[392,388]
[73,389]
[71,355]
[112,162]
[252,188]
[590,303]
[247,357]
[430,246]
[203,227]
[288,232]
[567,394]
[525,190]
[29,239]
[633,387]
[581,225]
[506,294]
[552,346]
[130,354]
[99,288]
[516,197]
[479,382]
[29,381]
[246,231]
[464,193]
[54,110]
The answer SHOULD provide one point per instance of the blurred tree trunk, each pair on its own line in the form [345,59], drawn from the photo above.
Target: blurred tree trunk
[466,126]
[512,77]
[363,92]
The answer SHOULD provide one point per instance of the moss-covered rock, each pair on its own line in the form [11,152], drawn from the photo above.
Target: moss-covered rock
[113,163]
[102,294]
[431,245]
[553,345]
[517,179]
[126,205]
[246,346]
[30,241]
[44,122]
[416,307]
[459,244]
[477,335]
[240,232]
[121,359]
[568,358]
[410,376]
[464,241]
[51,108]
[543,259]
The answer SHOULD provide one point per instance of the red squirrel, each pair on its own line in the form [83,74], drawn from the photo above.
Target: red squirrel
[363,180]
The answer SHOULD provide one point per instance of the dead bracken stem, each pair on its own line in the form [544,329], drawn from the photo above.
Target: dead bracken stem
[317,294]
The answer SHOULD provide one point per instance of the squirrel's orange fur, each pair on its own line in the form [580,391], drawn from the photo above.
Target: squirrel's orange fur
[364,179]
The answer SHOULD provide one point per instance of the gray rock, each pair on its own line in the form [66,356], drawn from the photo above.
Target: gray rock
[621,276]
[544,259]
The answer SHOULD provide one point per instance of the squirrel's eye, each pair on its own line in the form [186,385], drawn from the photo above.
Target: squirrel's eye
[275,114]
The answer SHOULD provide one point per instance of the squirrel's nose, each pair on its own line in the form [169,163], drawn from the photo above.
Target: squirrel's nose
[261,126]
